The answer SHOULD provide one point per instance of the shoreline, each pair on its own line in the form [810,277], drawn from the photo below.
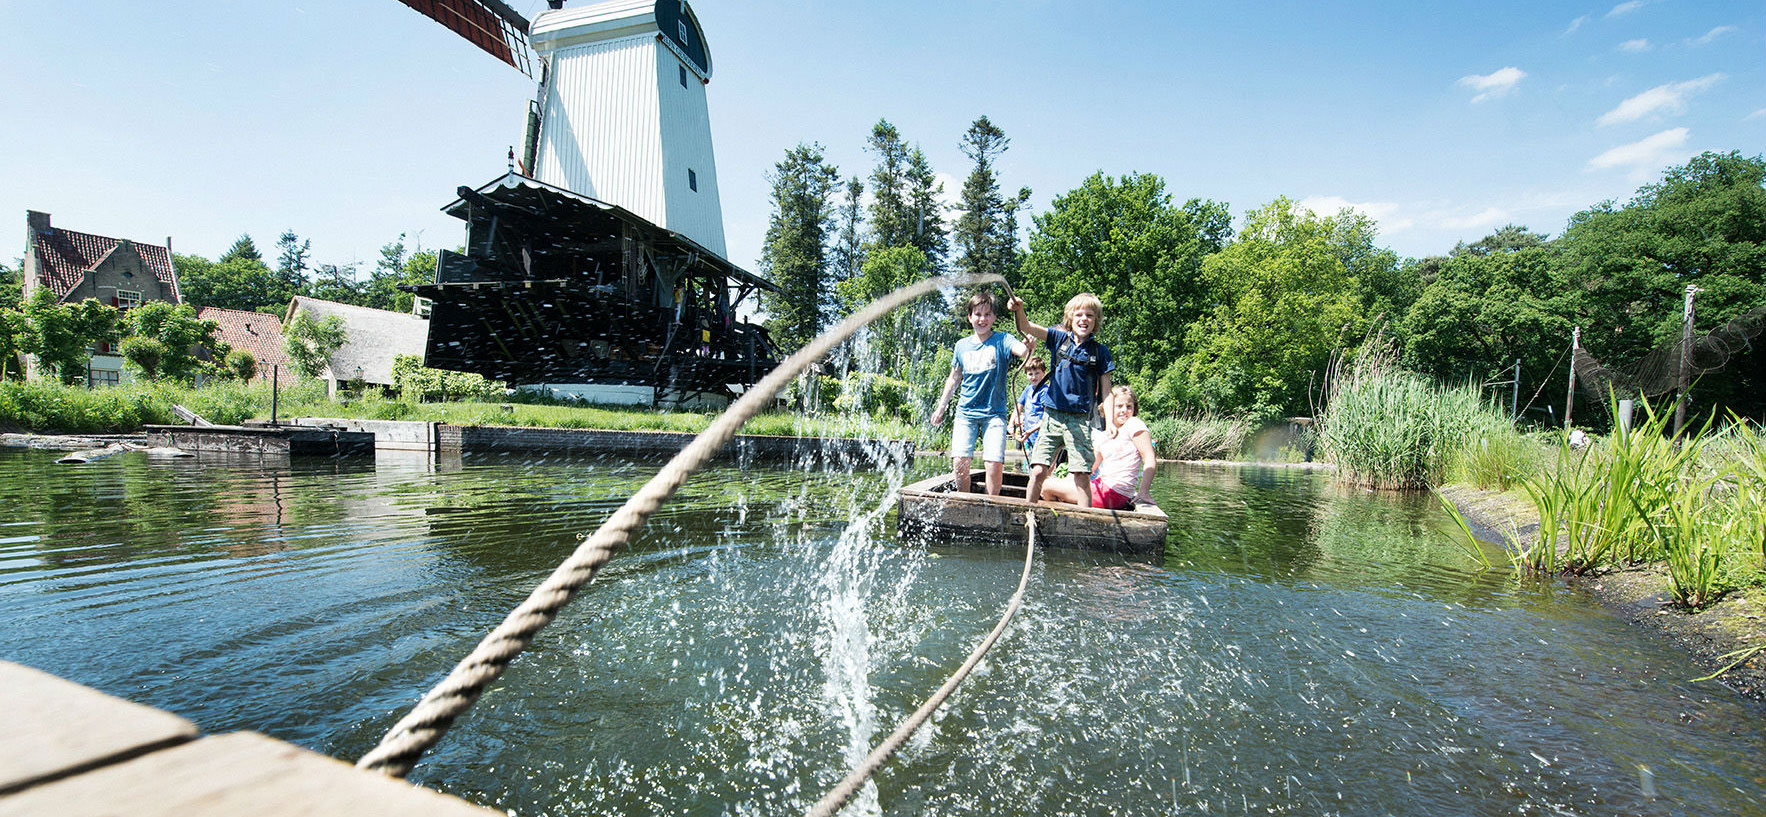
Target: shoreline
[1641,596]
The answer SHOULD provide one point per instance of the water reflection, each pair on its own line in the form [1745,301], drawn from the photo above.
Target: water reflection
[1297,649]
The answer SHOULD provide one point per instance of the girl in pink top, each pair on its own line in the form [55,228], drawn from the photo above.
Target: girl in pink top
[1122,475]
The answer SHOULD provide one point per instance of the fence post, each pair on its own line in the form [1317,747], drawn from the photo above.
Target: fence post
[1685,361]
[1570,396]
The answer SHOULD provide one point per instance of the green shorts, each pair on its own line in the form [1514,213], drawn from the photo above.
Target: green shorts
[1072,428]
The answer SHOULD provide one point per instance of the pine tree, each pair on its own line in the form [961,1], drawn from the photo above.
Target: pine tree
[242,250]
[982,220]
[293,259]
[795,255]
[926,212]
[849,254]
[891,224]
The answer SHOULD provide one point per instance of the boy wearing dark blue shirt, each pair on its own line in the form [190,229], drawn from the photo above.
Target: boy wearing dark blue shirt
[1082,369]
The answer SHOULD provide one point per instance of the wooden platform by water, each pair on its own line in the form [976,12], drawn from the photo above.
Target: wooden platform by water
[71,751]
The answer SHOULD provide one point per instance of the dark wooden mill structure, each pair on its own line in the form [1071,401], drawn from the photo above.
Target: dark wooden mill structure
[598,259]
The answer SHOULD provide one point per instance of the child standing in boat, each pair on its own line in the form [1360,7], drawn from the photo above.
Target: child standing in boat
[1122,475]
[979,364]
[1026,419]
[1081,371]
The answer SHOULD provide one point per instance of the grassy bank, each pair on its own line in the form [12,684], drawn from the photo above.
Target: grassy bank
[53,408]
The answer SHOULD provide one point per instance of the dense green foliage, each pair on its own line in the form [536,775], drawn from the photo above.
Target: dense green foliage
[242,279]
[795,253]
[417,384]
[310,343]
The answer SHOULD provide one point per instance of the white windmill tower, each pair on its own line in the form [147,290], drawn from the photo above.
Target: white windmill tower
[621,113]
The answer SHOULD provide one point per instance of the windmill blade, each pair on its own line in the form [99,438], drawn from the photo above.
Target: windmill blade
[488,24]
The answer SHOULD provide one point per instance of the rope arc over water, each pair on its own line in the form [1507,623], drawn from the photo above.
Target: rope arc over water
[420,729]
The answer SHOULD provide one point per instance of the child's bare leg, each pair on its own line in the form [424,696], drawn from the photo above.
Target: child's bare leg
[1058,491]
[1038,473]
[996,474]
[960,470]
[1082,489]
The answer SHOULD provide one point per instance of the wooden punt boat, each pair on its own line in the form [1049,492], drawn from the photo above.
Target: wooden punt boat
[929,508]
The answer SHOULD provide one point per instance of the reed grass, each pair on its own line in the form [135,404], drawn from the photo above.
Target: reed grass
[1694,501]
[1204,436]
[1388,428]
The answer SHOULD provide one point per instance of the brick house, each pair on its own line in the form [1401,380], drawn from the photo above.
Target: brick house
[115,271]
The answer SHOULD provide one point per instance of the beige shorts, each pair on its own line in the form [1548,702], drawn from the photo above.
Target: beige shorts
[1070,428]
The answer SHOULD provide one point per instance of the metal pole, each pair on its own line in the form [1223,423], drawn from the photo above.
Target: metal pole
[275,389]
[1514,403]
[1685,361]
[1570,396]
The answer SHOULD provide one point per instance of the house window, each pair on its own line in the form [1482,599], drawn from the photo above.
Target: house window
[683,75]
[692,180]
[128,299]
[96,378]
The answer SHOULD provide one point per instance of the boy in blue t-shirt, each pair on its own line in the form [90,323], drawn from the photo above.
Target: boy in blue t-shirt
[1026,422]
[1082,369]
[979,364]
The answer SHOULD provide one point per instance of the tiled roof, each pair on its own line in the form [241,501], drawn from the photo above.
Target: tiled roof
[65,256]
[373,337]
[255,332]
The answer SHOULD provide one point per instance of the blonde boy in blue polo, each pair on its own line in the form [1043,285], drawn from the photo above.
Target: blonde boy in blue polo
[980,363]
[1082,369]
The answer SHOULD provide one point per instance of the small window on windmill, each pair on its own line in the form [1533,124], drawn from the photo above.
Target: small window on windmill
[683,75]
[692,180]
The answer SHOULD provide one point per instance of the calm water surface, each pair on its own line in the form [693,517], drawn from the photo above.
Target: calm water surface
[1297,649]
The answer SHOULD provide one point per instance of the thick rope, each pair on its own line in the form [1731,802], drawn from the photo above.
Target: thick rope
[430,718]
[837,796]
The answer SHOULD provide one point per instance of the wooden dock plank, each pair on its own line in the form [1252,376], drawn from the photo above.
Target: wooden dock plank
[57,727]
[233,774]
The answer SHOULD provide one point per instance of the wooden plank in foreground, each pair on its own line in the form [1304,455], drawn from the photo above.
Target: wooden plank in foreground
[234,774]
[56,727]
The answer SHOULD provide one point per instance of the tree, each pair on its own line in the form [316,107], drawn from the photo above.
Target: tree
[891,224]
[885,271]
[237,281]
[1284,297]
[1122,240]
[925,211]
[241,365]
[243,249]
[145,353]
[848,256]
[795,254]
[293,257]
[381,290]
[178,332]
[14,332]
[1626,268]
[12,286]
[60,334]
[982,241]
[337,282]
[311,343]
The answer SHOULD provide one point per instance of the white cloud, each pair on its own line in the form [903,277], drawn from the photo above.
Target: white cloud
[1626,8]
[1384,212]
[1670,98]
[1645,155]
[1486,218]
[1575,24]
[1712,35]
[1755,115]
[1494,84]
[1634,46]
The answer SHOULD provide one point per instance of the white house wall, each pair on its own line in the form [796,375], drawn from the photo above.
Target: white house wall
[601,131]
[686,145]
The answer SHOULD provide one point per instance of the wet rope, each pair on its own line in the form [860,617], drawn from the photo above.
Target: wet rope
[408,739]
[837,796]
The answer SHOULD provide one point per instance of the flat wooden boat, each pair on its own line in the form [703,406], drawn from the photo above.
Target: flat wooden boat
[929,508]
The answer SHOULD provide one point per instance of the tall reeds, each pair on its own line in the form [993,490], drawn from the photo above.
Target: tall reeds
[1388,428]
[1200,436]
[1696,501]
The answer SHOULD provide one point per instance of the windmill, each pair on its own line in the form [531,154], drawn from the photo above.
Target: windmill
[595,266]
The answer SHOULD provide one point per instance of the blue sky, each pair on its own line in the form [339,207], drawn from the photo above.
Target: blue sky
[352,121]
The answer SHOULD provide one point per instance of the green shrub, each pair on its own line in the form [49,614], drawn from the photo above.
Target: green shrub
[1389,428]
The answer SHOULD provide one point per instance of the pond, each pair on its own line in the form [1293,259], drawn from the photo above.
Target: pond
[1297,649]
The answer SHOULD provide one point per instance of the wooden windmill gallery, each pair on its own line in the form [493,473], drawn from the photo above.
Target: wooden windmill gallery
[595,267]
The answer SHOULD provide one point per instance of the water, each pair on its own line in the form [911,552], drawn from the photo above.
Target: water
[1298,648]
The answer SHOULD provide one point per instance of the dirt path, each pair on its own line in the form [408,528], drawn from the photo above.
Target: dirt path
[1642,595]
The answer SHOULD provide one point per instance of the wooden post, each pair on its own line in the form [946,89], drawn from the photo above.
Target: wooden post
[275,389]
[1514,401]
[1685,362]
[1570,396]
